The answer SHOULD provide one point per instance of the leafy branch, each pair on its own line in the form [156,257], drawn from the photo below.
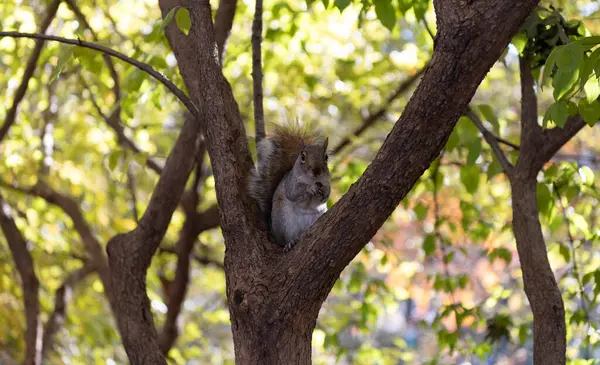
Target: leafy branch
[140,65]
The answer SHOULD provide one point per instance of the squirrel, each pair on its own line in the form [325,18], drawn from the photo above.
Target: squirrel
[291,182]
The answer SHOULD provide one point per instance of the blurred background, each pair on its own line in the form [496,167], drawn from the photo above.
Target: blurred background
[440,283]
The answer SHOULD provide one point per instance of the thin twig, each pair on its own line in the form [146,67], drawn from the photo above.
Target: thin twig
[113,122]
[374,117]
[62,298]
[492,141]
[576,272]
[200,259]
[428,29]
[257,76]
[131,187]
[223,23]
[140,65]
[29,70]
[109,63]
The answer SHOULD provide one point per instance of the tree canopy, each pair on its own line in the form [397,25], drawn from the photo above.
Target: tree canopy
[84,138]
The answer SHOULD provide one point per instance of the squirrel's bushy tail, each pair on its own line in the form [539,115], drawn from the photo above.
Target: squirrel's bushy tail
[277,154]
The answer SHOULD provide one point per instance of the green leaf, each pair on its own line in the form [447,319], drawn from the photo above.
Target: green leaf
[341,4]
[501,253]
[429,245]
[63,59]
[89,59]
[589,65]
[524,333]
[494,168]
[385,13]
[474,151]
[134,80]
[563,81]
[579,222]
[420,8]
[404,5]
[421,211]
[587,175]
[520,41]
[453,141]
[589,111]
[168,19]
[113,159]
[544,198]
[592,89]
[488,113]
[183,20]
[570,56]
[469,176]
[549,66]
[557,113]
[564,252]
[463,280]
[449,257]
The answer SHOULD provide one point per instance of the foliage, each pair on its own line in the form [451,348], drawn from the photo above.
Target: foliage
[439,284]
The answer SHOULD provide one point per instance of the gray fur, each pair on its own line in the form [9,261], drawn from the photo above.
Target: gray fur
[301,197]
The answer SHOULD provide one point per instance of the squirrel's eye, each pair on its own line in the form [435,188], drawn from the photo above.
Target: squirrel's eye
[302,157]
[326,157]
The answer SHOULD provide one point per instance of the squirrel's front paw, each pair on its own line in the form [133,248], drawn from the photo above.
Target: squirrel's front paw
[288,247]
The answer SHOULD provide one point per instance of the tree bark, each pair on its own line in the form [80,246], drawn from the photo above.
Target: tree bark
[549,329]
[274,298]
[537,147]
[29,284]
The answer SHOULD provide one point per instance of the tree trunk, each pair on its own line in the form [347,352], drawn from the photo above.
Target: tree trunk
[549,328]
[279,342]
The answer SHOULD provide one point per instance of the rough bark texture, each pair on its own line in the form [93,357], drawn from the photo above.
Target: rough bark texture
[537,147]
[549,330]
[130,254]
[29,283]
[274,298]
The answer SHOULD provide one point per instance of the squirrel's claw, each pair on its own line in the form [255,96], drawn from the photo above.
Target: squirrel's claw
[288,247]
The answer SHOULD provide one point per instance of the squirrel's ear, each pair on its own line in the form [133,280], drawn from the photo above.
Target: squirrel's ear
[325,143]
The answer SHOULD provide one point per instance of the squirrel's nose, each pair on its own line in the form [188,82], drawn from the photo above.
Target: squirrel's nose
[316,171]
[319,185]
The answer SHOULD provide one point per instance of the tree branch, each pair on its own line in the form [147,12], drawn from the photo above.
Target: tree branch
[374,117]
[492,141]
[131,187]
[200,259]
[257,76]
[142,66]
[114,122]
[223,23]
[62,297]
[539,146]
[130,254]
[29,283]
[29,70]
[92,245]
[464,52]
[179,286]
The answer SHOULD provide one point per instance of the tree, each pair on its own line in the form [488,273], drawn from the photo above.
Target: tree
[274,298]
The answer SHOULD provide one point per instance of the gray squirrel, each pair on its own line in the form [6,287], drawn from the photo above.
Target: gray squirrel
[291,182]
